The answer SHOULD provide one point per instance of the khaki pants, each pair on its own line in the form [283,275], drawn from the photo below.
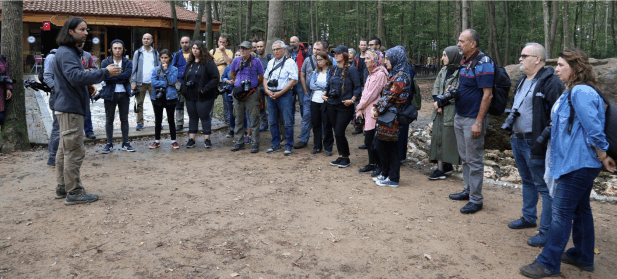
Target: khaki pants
[71,151]
[139,100]
[250,105]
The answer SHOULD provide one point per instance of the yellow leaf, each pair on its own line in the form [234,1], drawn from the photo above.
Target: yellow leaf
[596,250]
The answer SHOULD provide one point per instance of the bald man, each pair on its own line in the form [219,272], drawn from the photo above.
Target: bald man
[299,53]
[145,59]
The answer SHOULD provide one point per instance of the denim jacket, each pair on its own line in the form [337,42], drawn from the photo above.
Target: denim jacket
[314,85]
[570,152]
[158,81]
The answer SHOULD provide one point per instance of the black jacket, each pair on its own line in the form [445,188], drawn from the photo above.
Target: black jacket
[207,84]
[353,87]
[548,89]
[71,81]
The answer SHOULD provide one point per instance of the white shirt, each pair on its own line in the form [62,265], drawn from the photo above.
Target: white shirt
[321,77]
[288,71]
[148,65]
[119,86]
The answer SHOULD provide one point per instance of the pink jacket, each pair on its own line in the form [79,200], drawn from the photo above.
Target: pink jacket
[372,90]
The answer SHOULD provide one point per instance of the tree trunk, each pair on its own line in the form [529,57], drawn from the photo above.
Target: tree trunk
[506,57]
[313,37]
[208,12]
[215,10]
[459,19]
[438,24]
[276,21]
[566,26]
[464,15]
[614,6]
[553,30]
[174,20]
[240,14]
[593,28]
[358,34]
[249,14]
[575,43]
[200,14]
[370,28]
[493,46]
[547,26]
[14,134]
[381,25]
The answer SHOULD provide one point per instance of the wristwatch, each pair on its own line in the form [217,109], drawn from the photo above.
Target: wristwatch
[478,123]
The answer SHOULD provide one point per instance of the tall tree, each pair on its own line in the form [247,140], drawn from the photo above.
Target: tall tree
[465,14]
[313,38]
[174,21]
[208,12]
[550,24]
[215,10]
[567,37]
[613,8]
[200,14]
[459,18]
[276,23]
[507,49]
[493,46]
[249,15]
[381,25]
[14,134]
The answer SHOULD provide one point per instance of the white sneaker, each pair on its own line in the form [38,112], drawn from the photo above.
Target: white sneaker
[378,178]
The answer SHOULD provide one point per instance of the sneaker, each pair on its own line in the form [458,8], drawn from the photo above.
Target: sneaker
[80,197]
[208,143]
[376,172]
[274,149]
[237,146]
[190,143]
[51,161]
[91,136]
[567,260]
[345,162]
[179,128]
[538,240]
[521,224]
[175,145]
[154,145]
[379,177]
[230,134]
[60,192]
[535,270]
[367,169]
[328,153]
[437,174]
[287,151]
[447,168]
[387,182]
[254,149]
[300,145]
[247,139]
[127,147]
[139,127]
[316,150]
[107,148]
[336,162]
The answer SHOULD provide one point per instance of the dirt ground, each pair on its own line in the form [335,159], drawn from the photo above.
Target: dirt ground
[197,213]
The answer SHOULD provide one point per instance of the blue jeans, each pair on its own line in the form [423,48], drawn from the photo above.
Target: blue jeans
[571,211]
[305,130]
[532,174]
[298,93]
[284,104]
[88,123]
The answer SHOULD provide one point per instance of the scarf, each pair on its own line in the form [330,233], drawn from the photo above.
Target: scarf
[398,60]
[454,57]
[378,62]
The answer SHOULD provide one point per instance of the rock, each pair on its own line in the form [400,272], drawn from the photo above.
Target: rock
[489,172]
[509,161]
[491,155]
[417,153]
[611,188]
[490,163]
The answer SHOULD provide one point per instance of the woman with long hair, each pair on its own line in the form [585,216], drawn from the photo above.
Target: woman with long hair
[342,90]
[444,150]
[164,97]
[378,76]
[199,87]
[577,154]
[393,97]
[319,116]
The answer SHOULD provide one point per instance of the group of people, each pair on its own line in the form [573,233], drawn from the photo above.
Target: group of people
[335,90]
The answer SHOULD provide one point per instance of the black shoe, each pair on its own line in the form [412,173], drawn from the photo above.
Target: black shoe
[190,143]
[447,168]
[91,136]
[316,150]
[60,192]
[237,147]
[179,128]
[274,149]
[362,147]
[51,161]
[328,153]
[127,147]
[437,174]
[567,260]
[254,149]
[80,197]
[230,134]
[367,169]
[107,148]
[300,145]
[358,130]
[345,162]
[376,172]
[208,143]
[471,208]
[336,162]
[535,270]
[521,224]
[462,196]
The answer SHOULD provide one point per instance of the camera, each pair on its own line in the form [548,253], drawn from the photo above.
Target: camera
[35,85]
[545,135]
[134,92]
[444,99]
[246,85]
[97,96]
[358,121]
[160,92]
[273,83]
[334,93]
[507,125]
[6,80]
[190,84]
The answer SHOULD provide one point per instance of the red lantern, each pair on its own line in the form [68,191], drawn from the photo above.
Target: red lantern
[46,25]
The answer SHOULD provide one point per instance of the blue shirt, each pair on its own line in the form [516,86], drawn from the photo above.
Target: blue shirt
[251,71]
[576,151]
[471,83]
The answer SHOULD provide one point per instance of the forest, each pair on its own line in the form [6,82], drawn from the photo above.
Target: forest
[425,28]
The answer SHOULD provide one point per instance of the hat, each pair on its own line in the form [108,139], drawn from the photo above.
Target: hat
[116,41]
[340,49]
[246,44]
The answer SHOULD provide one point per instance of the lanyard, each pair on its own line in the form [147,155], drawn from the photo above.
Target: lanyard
[528,90]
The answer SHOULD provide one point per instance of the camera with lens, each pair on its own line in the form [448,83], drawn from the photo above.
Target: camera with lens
[190,84]
[160,92]
[545,135]
[444,99]
[97,96]
[358,121]
[334,93]
[273,83]
[246,85]
[509,123]
[6,80]
[35,85]
[134,92]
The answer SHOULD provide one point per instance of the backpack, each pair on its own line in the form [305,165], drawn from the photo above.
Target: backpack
[409,111]
[501,87]
[610,125]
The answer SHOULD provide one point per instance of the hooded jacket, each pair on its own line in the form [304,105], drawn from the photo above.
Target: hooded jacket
[546,92]
[107,93]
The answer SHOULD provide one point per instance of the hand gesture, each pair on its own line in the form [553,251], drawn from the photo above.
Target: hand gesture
[8,94]
[609,164]
[113,70]
[164,66]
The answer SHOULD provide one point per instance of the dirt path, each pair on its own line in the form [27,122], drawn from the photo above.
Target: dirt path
[196,213]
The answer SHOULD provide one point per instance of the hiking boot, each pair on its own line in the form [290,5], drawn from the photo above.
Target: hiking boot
[127,147]
[107,148]
[60,192]
[190,143]
[80,197]
[237,146]
[300,145]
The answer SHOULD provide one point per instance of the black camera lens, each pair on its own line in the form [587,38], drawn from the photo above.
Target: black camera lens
[544,136]
[97,96]
[509,122]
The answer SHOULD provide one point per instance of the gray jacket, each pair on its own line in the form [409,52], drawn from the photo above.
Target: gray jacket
[137,75]
[71,81]
[48,75]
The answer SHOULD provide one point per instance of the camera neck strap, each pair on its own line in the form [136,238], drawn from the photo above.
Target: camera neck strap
[531,87]
[280,65]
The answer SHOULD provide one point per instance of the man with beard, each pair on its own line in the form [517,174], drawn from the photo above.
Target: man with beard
[179,61]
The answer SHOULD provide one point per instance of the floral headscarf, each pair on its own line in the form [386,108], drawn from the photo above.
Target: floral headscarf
[398,59]
[378,64]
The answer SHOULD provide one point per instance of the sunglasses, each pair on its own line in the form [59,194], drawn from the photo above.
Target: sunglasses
[524,56]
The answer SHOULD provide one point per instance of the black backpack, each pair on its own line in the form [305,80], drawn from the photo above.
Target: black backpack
[501,87]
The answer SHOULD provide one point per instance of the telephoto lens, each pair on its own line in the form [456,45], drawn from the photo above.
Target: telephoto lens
[546,134]
[509,123]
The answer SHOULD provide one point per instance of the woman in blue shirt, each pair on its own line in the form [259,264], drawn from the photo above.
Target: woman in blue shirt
[164,97]
[578,152]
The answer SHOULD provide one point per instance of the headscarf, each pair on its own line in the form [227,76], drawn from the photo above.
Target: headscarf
[454,57]
[378,62]
[398,60]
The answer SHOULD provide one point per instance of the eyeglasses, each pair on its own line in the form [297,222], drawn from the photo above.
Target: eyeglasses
[371,44]
[319,60]
[524,56]
[277,49]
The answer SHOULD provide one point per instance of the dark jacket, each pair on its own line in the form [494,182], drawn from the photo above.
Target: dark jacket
[353,87]
[107,93]
[179,62]
[4,70]
[71,81]
[362,71]
[207,86]
[545,94]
